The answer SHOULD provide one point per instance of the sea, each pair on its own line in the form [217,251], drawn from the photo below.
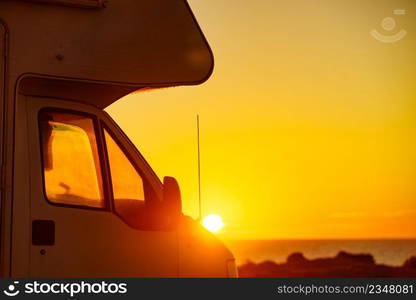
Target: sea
[391,252]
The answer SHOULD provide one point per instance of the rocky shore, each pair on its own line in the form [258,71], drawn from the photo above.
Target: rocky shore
[342,265]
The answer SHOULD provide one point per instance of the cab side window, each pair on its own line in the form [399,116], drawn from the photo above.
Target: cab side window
[71,162]
[127,184]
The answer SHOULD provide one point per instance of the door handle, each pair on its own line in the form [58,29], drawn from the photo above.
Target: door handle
[43,232]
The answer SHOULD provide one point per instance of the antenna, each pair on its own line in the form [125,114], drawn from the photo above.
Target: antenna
[199,167]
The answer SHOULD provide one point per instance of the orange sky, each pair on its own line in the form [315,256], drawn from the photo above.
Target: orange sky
[307,124]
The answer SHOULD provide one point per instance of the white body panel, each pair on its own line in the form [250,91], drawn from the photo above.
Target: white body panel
[4,206]
[90,242]
[49,60]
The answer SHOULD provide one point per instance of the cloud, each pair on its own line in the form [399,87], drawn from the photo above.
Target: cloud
[348,215]
[382,214]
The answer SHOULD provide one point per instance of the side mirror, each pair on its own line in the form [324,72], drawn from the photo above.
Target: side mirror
[172,201]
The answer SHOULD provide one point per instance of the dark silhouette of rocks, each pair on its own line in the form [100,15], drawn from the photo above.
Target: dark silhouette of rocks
[410,263]
[296,258]
[342,265]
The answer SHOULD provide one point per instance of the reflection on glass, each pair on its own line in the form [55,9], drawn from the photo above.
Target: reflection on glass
[70,158]
[128,189]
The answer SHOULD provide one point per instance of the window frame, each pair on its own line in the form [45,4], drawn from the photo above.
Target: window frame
[101,157]
[147,187]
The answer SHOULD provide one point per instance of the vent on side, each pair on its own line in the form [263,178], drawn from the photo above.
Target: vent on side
[43,232]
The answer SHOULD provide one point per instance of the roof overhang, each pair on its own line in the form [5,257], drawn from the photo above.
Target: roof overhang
[70,52]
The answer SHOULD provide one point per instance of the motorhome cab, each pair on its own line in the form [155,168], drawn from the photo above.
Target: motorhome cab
[77,198]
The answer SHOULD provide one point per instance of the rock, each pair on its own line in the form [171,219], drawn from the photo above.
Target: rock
[365,259]
[410,263]
[343,265]
[296,258]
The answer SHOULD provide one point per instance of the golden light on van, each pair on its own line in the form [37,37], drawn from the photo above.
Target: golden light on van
[213,223]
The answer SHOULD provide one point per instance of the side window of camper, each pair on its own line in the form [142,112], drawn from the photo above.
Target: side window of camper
[71,163]
[127,184]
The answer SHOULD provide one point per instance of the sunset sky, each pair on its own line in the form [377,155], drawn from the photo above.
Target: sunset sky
[308,123]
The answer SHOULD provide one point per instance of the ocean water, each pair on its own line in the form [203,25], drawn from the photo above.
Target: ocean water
[390,252]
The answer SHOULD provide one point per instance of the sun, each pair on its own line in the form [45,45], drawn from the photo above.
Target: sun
[213,223]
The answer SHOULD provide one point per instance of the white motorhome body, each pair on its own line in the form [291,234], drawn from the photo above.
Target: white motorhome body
[77,198]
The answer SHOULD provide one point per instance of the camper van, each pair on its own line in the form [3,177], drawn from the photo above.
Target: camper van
[77,198]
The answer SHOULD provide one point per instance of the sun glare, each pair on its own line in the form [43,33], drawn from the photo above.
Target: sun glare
[213,223]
